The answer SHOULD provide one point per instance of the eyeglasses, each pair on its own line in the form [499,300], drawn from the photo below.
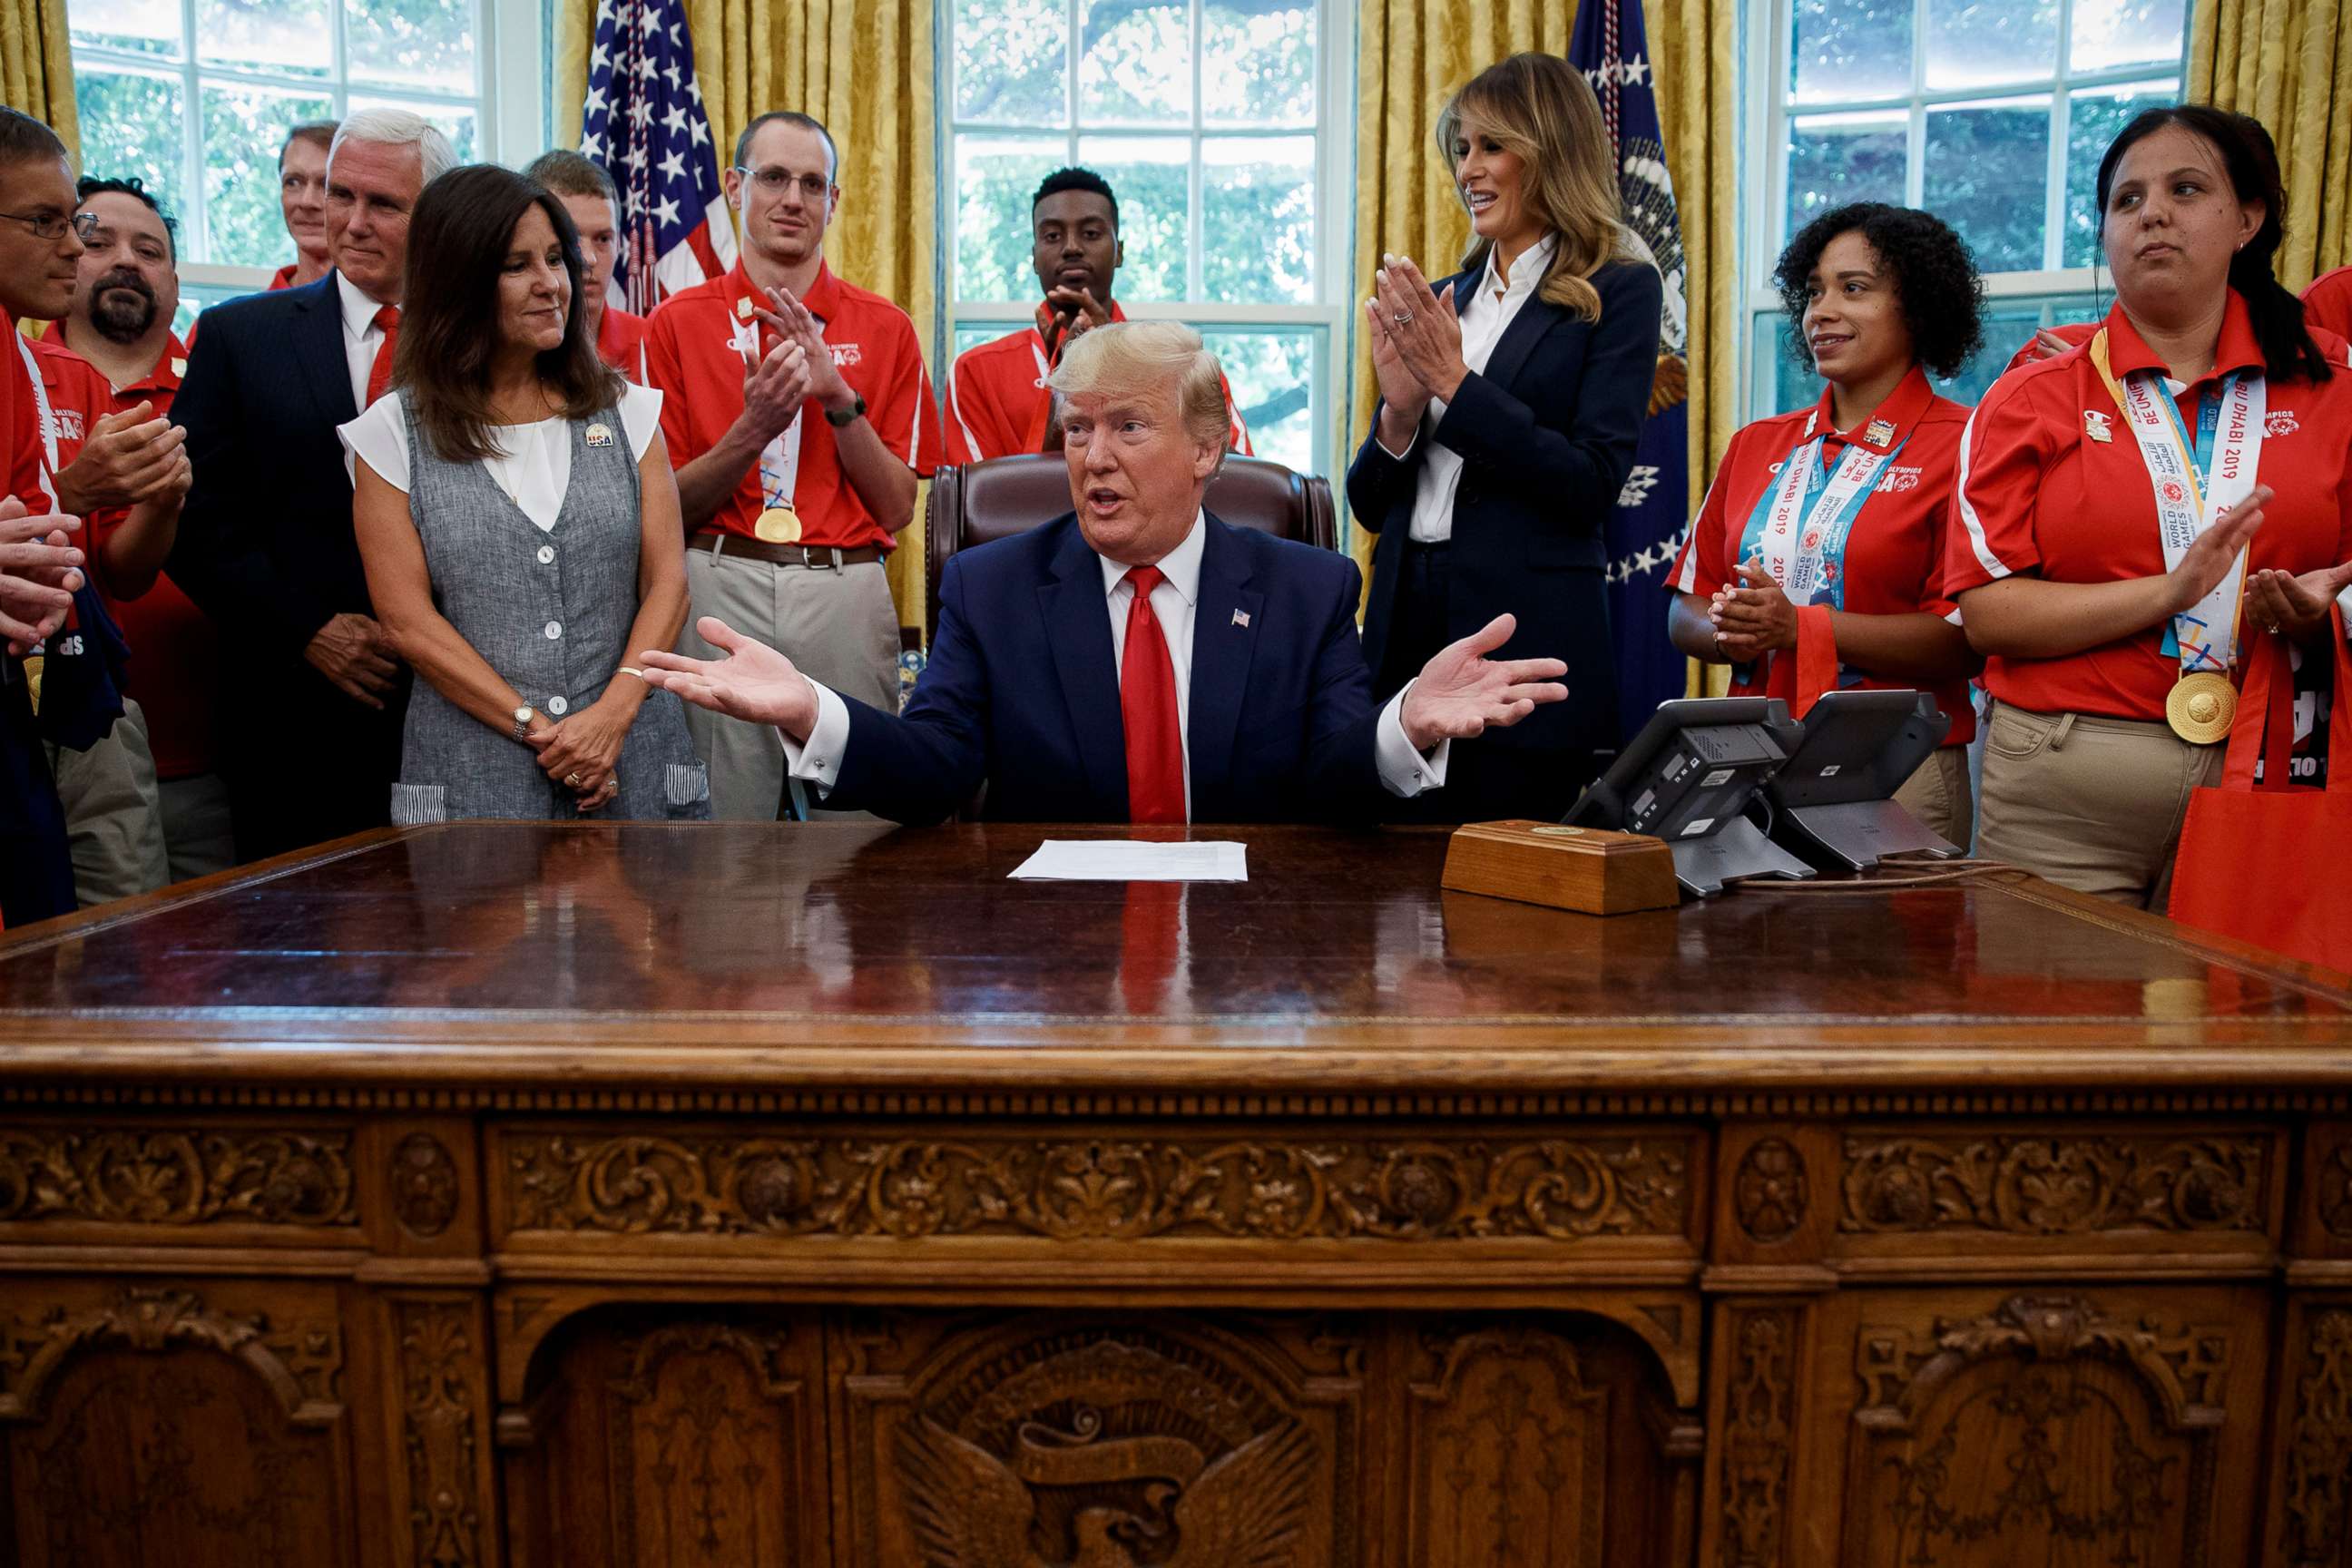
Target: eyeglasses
[53,225]
[772,179]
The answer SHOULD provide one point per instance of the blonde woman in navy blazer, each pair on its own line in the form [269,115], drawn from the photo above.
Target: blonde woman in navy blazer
[1511,397]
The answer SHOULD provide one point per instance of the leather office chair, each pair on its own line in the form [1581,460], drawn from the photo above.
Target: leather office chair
[1001,497]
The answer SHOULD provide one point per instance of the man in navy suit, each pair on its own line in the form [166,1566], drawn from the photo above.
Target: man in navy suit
[311,695]
[1134,660]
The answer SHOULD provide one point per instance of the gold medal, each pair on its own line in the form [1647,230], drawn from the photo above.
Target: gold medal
[2201,707]
[778,525]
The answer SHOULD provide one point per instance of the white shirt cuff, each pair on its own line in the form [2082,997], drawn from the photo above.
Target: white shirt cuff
[1404,771]
[1384,446]
[818,762]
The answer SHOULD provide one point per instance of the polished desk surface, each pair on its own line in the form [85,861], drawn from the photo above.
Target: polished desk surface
[839,953]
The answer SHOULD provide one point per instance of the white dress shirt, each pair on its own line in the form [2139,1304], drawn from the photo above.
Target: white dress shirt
[1489,311]
[362,337]
[532,464]
[1404,771]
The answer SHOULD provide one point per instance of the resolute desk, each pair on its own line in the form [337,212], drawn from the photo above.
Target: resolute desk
[529,1194]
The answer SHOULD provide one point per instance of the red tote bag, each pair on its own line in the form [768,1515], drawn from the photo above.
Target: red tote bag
[2272,863]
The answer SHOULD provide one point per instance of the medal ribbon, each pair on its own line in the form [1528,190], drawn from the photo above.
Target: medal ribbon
[1805,560]
[2194,482]
[779,459]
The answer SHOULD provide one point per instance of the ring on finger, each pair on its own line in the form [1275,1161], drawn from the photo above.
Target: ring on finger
[571,781]
[1403,318]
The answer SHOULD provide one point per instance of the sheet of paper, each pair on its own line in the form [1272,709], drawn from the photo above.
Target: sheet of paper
[1122,860]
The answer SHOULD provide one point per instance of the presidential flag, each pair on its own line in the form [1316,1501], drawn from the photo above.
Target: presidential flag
[644,122]
[1653,511]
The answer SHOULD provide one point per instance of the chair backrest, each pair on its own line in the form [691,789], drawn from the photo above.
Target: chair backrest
[1000,497]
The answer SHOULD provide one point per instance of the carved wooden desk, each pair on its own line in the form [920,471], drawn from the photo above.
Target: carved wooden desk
[500,1194]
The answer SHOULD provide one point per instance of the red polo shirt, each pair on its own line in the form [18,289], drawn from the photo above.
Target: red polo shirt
[1894,553]
[621,343]
[997,398]
[174,652]
[2041,493]
[2327,303]
[282,279]
[697,346]
[20,430]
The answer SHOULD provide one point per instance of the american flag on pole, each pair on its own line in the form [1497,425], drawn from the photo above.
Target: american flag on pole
[1653,511]
[643,122]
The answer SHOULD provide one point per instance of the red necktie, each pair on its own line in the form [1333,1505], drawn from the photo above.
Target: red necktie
[380,373]
[1147,702]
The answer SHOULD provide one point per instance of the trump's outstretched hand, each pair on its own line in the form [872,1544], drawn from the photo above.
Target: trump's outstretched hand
[1461,692]
[753,682]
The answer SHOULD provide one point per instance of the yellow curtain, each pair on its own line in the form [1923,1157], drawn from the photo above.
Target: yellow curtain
[2288,63]
[37,67]
[1413,53]
[866,70]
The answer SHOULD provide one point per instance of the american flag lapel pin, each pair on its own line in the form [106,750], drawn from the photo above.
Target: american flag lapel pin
[1241,617]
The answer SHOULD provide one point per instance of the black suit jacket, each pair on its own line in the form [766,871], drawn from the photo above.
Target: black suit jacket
[266,549]
[1546,435]
[1021,692]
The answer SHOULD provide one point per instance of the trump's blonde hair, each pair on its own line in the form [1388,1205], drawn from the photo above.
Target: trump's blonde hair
[1541,108]
[1142,356]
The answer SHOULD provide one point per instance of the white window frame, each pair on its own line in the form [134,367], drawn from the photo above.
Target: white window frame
[1328,315]
[1768,113]
[509,105]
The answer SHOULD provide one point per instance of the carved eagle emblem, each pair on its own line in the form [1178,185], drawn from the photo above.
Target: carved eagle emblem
[971,1510]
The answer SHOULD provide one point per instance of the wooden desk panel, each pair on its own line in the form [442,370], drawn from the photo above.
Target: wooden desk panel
[535,1194]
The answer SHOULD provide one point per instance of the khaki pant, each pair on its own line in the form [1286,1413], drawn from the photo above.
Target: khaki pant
[1936,793]
[838,626]
[114,819]
[2091,804]
[198,836]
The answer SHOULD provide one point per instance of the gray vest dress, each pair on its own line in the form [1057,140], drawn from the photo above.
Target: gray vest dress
[550,610]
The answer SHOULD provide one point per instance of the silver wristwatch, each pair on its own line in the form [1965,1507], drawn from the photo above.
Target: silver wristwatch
[524,718]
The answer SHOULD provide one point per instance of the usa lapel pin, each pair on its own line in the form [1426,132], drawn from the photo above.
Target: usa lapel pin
[1241,617]
[600,436]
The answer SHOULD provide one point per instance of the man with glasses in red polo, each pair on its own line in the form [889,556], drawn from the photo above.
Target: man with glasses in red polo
[799,415]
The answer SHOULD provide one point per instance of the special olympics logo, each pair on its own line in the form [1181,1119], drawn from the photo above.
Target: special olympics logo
[2173,492]
[2280,422]
[1813,539]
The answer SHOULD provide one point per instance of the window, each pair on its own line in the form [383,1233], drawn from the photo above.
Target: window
[1989,113]
[194,97]
[1208,117]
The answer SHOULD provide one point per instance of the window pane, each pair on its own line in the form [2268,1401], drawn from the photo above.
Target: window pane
[151,26]
[1792,386]
[972,335]
[2092,121]
[995,177]
[133,125]
[243,128]
[286,35]
[1153,176]
[1135,65]
[1273,377]
[1988,172]
[1257,201]
[1848,50]
[1981,43]
[1257,65]
[197,298]
[457,124]
[1010,60]
[424,44]
[1839,158]
[2113,34]
[2006,331]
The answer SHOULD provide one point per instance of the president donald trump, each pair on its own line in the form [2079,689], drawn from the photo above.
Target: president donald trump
[1134,659]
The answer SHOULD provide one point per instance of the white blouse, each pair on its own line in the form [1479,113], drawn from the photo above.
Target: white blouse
[534,465]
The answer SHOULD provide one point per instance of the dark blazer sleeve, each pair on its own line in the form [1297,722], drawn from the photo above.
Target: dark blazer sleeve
[917,768]
[1592,457]
[1376,475]
[1342,775]
[221,557]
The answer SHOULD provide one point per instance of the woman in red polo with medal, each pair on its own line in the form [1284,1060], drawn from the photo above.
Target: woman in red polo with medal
[2136,508]
[1817,560]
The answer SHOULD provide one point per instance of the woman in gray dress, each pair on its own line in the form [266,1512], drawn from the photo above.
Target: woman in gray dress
[518,520]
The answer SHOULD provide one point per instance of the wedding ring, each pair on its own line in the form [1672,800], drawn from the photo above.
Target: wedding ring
[571,781]
[1404,317]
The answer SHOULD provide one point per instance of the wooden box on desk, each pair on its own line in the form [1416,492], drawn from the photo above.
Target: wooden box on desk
[1588,869]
